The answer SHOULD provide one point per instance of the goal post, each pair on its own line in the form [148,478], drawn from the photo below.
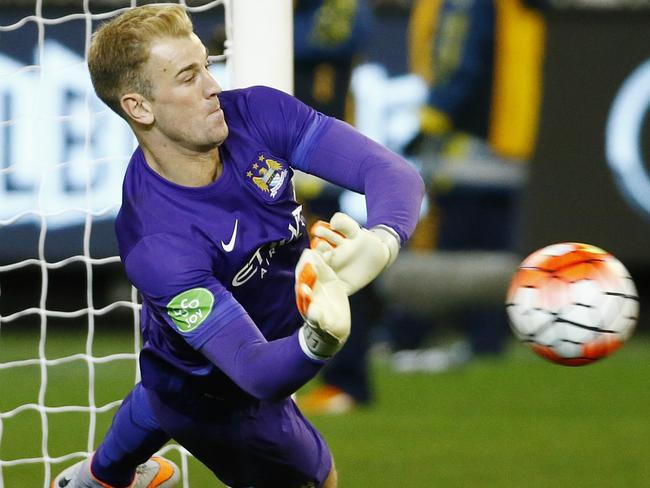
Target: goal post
[262,40]
[62,159]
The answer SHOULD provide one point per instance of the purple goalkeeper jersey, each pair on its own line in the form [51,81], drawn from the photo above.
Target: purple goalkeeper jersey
[211,259]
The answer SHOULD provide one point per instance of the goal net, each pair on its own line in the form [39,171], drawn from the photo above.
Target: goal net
[69,321]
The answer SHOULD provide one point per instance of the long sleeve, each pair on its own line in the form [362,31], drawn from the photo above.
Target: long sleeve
[392,187]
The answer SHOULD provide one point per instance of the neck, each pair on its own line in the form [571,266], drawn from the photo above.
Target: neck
[183,166]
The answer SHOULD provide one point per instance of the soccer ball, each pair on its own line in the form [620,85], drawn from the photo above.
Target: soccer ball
[572,303]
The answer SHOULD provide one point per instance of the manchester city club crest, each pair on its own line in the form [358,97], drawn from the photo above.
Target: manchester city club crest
[268,176]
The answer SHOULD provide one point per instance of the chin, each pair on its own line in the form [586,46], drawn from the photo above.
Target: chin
[221,135]
[214,140]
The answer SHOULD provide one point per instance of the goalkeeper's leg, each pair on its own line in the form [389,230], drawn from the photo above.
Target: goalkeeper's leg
[251,443]
[124,456]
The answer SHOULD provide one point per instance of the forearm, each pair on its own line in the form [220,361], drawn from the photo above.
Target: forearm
[392,187]
[394,192]
[264,369]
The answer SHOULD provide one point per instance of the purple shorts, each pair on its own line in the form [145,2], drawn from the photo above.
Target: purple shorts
[258,444]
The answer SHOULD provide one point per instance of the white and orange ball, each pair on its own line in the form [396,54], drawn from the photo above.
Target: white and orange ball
[572,303]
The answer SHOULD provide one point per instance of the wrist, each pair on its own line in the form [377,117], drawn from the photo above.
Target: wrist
[390,238]
[317,344]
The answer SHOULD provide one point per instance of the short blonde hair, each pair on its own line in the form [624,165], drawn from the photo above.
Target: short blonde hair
[120,47]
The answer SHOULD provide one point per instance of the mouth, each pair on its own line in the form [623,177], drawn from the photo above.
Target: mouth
[216,113]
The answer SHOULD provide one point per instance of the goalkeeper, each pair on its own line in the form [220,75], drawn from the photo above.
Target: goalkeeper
[237,312]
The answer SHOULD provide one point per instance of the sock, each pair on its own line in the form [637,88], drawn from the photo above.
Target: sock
[131,440]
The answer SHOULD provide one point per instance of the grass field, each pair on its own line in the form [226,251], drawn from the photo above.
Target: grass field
[509,422]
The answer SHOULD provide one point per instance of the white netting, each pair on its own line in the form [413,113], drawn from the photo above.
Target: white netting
[62,156]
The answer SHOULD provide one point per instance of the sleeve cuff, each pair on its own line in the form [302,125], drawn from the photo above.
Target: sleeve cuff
[302,339]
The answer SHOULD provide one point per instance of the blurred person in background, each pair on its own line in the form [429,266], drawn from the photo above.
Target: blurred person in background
[482,60]
[328,40]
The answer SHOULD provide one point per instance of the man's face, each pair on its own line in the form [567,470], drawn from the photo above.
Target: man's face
[185,104]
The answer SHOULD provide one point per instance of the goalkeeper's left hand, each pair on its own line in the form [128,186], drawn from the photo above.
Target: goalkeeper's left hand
[323,303]
[356,255]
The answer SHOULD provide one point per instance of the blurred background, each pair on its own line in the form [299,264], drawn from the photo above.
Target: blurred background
[527,120]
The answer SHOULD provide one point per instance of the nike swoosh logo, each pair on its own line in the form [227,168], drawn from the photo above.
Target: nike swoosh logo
[231,244]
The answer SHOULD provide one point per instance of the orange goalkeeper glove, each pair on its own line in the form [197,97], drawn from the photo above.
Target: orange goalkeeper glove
[356,255]
[324,305]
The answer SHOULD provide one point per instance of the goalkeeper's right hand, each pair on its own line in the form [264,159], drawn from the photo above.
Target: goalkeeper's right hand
[323,303]
[356,255]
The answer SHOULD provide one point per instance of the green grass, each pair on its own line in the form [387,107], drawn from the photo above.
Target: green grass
[516,421]
[509,422]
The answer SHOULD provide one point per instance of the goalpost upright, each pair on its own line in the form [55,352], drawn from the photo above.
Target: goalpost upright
[262,43]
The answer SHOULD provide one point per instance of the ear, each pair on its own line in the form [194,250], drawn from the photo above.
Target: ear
[137,108]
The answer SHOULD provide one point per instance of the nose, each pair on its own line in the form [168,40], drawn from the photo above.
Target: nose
[211,86]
